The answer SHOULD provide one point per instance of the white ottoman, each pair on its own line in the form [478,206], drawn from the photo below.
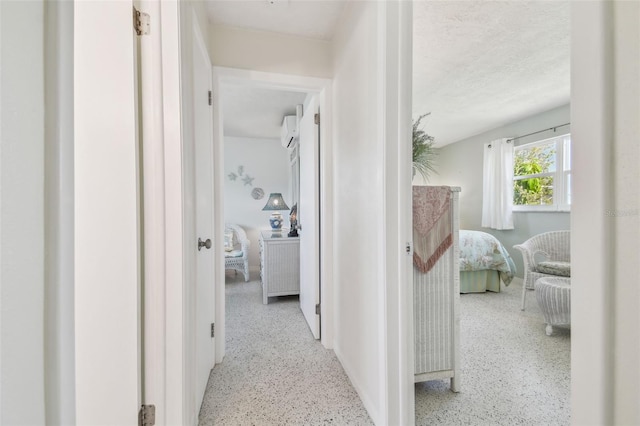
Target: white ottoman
[554,299]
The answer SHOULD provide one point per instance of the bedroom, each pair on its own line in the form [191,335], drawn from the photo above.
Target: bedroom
[484,72]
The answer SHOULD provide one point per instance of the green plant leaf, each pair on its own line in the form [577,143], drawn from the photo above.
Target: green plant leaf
[423,151]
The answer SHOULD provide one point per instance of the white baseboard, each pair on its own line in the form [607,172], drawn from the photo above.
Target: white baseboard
[371,408]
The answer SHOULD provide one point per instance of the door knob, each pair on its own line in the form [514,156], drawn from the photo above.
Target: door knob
[205,244]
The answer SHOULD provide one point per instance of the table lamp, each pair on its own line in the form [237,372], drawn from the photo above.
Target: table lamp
[275,203]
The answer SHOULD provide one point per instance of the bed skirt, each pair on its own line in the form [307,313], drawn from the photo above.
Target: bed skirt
[479,281]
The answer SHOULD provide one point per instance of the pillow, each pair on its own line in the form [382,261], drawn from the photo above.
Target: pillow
[233,253]
[561,269]
[228,241]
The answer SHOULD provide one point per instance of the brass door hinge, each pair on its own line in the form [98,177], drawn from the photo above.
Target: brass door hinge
[147,415]
[141,22]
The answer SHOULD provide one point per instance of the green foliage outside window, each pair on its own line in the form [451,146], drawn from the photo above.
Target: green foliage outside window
[536,190]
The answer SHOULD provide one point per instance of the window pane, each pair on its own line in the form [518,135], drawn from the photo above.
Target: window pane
[566,155]
[567,185]
[534,160]
[533,192]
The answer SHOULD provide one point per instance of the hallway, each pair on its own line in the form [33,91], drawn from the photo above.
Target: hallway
[274,372]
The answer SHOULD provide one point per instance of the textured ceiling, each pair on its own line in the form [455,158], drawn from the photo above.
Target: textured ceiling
[255,112]
[314,19]
[478,64]
[482,64]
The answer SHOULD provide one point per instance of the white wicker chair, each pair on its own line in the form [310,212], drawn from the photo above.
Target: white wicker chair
[238,258]
[549,246]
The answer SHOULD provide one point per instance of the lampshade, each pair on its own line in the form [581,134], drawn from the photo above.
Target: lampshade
[275,202]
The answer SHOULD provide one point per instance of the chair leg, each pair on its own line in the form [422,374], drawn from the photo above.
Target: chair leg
[524,294]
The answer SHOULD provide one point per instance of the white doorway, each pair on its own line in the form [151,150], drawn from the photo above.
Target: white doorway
[317,88]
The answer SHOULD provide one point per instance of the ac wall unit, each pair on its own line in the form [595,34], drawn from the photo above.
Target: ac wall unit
[289,132]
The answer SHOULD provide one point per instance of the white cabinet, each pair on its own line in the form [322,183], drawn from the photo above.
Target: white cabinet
[279,264]
[436,310]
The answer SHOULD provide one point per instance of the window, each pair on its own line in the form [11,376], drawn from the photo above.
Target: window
[542,175]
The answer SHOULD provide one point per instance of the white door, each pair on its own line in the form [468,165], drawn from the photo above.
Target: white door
[309,217]
[106,243]
[203,139]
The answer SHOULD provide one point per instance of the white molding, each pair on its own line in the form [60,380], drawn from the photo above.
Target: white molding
[218,244]
[592,91]
[154,246]
[59,223]
[173,351]
[396,329]
[406,394]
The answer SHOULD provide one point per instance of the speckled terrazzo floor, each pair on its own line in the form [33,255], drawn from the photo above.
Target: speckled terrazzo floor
[274,372]
[512,372]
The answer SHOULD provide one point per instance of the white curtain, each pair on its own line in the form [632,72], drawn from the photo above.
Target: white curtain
[497,185]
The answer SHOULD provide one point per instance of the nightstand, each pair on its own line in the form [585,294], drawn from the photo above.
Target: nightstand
[279,264]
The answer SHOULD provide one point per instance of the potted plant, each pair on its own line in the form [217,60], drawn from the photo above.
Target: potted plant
[423,150]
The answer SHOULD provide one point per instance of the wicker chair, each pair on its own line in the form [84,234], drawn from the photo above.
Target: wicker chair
[545,255]
[236,254]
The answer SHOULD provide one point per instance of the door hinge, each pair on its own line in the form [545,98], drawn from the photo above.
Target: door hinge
[210,97]
[316,118]
[213,329]
[147,415]
[141,22]
[318,309]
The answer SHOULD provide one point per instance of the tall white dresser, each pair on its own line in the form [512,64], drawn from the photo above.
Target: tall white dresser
[279,264]
[436,311]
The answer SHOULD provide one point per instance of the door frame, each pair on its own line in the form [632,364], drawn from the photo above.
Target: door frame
[323,89]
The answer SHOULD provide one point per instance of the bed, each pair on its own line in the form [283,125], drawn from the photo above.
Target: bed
[484,262]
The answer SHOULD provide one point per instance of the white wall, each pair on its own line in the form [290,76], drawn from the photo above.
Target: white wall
[22,270]
[106,215]
[372,122]
[269,52]
[605,305]
[460,164]
[267,162]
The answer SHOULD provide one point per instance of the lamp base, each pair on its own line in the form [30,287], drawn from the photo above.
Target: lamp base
[275,220]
